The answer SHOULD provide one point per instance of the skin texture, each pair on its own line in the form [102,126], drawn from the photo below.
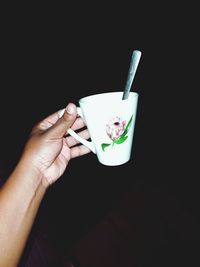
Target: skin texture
[44,159]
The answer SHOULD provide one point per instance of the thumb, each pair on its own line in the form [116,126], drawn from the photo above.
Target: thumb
[59,129]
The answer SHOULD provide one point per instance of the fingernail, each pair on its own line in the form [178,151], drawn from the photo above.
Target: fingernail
[70,109]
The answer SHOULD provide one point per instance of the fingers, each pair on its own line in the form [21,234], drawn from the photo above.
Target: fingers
[53,118]
[71,141]
[47,122]
[79,123]
[78,151]
[61,126]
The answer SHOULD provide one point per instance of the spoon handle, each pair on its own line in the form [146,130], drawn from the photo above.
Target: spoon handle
[131,73]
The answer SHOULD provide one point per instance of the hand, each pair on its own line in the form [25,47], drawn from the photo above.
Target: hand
[49,149]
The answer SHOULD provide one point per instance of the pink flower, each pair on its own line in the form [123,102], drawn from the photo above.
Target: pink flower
[115,128]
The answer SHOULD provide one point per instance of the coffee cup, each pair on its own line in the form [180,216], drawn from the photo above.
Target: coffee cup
[111,123]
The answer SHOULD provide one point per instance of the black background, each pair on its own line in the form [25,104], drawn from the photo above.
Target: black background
[52,58]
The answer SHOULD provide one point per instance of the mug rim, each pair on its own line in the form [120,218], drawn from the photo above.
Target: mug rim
[105,93]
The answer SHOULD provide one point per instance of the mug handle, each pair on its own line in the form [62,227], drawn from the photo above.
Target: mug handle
[86,143]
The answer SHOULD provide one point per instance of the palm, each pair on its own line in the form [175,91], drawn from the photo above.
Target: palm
[53,154]
[53,159]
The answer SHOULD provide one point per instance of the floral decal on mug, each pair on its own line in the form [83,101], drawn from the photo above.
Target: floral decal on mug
[117,130]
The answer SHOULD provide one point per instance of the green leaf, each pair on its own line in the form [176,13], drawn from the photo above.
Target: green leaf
[121,139]
[103,146]
[129,124]
[127,127]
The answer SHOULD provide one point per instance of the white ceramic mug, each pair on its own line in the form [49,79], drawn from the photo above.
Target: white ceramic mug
[111,122]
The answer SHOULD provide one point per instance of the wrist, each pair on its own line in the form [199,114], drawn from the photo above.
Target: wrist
[26,168]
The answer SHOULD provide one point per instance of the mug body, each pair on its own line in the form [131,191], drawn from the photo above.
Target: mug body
[111,122]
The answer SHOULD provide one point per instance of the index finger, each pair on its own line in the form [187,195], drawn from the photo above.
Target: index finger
[48,121]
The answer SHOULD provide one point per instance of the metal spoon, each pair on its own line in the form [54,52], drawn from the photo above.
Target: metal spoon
[131,73]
